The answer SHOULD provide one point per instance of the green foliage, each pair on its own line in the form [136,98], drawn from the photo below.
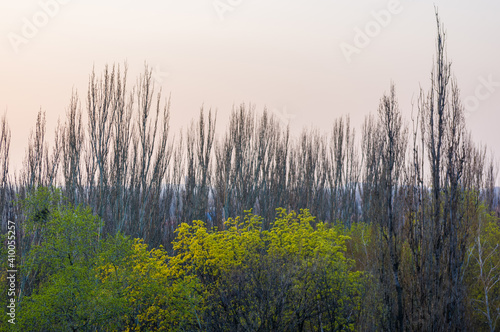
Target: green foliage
[65,302]
[58,282]
[294,276]
[43,198]
[360,245]
[483,273]
[70,238]
[298,275]
[4,288]
[362,249]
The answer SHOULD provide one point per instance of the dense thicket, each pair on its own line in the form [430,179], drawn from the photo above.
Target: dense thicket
[291,277]
[418,200]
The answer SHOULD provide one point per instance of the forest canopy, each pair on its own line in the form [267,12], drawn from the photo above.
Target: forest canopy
[123,226]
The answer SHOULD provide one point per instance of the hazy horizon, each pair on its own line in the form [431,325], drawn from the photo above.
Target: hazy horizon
[288,56]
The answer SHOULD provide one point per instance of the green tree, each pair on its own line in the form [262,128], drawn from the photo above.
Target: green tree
[57,270]
[483,273]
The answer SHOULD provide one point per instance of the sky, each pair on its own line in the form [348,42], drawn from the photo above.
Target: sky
[308,62]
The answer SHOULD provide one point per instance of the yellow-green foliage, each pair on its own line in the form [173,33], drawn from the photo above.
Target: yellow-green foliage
[279,279]
[293,276]
[151,299]
[199,251]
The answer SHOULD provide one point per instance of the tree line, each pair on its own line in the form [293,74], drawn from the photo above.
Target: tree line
[416,198]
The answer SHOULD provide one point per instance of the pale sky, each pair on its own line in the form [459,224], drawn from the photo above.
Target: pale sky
[283,54]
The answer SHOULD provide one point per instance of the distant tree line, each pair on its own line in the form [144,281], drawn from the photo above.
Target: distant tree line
[424,188]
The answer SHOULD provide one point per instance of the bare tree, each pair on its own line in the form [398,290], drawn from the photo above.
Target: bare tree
[393,152]
[223,186]
[37,149]
[151,158]
[120,198]
[440,226]
[270,171]
[200,140]
[307,178]
[343,170]
[101,114]
[72,150]
[5,191]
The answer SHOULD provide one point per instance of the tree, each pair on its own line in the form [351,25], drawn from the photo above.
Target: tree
[291,277]
[483,273]
[5,135]
[442,211]
[57,271]
[393,142]
[200,139]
